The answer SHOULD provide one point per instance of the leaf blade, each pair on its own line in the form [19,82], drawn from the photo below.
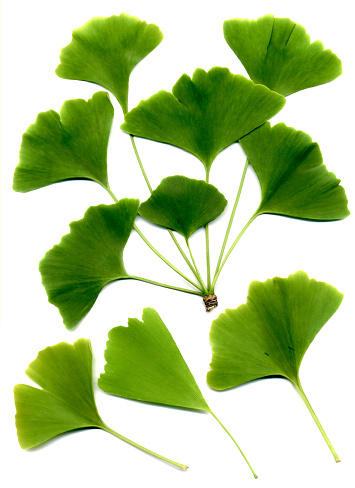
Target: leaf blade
[106,49]
[69,145]
[89,257]
[205,114]
[277,53]
[293,178]
[183,204]
[144,363]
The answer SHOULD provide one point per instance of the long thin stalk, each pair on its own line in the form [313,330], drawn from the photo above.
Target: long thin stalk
[253,217]
[164,259]
[196,268]
[231,218]
[138,446]
[315,418]
[163,285]
[235,442]
[207,233]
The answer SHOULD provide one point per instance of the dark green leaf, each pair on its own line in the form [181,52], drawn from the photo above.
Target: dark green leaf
[91,256]
[144,363]
[278,54]
[69,145]
[105,51]
[205,114]
[66,401]
[294,181]
[183,204]
[270,334]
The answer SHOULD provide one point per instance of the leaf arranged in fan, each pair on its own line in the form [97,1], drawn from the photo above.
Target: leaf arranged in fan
[205,114]
[105,51]
[144,363]
[278,54]
[91,256]
[270,334]
[294,181]
[66,401]
[69,145]
[183,204]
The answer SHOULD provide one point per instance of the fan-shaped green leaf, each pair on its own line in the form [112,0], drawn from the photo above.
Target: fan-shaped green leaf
[91,256]
[69,145]
[144,363]
[294,181]
[66,401]
[278,54]
[270,334]
[205,114]
[183,204]
[105,51]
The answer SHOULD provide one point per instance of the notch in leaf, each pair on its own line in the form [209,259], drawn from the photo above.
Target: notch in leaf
[144,363]
[270,334]
[91,256]
[294,181]
[205,114]
[278,54]
[66,401]
[183,204]
[105,51]
[65,146]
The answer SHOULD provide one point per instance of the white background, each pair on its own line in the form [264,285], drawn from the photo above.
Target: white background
[267,417]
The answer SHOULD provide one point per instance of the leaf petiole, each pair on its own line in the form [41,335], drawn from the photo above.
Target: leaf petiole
[207,233]
[299,388]
[164,259]
[235,442]
[138,446]
[231,220]
[252,218]
[185,290]
[204,289]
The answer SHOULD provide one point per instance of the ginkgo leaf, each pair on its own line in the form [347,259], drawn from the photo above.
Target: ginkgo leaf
[144,363]
[294,181]
[65,401]
[278,54]
[183,204]
[69,145]
[105,51]
[205,114]
[270,334]
[91,256]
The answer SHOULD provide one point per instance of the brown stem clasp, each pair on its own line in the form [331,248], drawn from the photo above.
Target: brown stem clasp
[210,302]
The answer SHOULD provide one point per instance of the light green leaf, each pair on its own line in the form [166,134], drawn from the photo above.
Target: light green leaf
[270,334]
[91,256]
[69,145]
[205,114]
[105,51]
[294,181]
[66,401]
[183,204]
[144,363]
[278,54]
